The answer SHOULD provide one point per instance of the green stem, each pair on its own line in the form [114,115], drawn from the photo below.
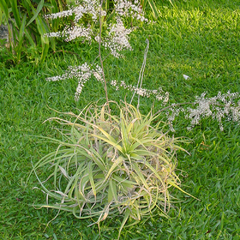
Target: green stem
[100,57]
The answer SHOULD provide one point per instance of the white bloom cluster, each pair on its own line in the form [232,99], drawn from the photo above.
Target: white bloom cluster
[98,73]
[91,7]
[126,8]
[72,33]
[218,107]
[203,109]
[60,14]
[77,31]
[54,34]
[83,73]
[143,92]
[117,38]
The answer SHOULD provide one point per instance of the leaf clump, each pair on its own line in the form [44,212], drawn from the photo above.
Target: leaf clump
[111,164]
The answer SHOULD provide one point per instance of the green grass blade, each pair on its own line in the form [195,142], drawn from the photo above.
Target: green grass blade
[154,8]
[30,38]
[16,12]
[39,8]
[4,8]
[44,38]
[20,37]
[45,47]
[61,5]
[1,16]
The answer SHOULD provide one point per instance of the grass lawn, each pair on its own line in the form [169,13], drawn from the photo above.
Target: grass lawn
[198,39]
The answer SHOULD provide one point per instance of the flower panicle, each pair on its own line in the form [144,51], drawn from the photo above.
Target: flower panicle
[117,37]
[143,92]
[83,73]
[218,107]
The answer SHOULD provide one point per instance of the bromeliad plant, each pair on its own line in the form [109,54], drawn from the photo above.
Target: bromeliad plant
[111,164]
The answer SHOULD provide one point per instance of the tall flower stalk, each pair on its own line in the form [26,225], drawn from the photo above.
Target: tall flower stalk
[100,57]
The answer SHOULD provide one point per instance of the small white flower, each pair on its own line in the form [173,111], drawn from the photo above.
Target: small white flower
[114,83]
[186,77]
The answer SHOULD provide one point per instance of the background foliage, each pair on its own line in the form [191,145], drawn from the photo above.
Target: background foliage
[27,26]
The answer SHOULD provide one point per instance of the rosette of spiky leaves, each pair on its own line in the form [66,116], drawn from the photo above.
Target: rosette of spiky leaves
[111,164]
